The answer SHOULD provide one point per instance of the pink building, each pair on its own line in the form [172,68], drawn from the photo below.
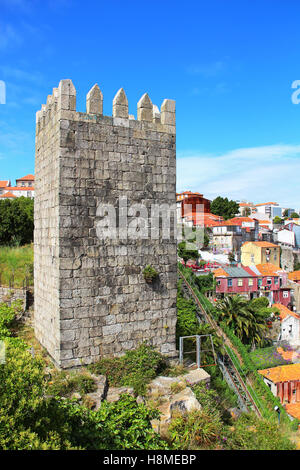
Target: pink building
[255,281]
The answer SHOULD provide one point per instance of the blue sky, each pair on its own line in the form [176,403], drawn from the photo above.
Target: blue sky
[228,64]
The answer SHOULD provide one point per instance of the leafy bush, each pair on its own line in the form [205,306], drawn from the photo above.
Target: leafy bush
[135,369]
[29,420]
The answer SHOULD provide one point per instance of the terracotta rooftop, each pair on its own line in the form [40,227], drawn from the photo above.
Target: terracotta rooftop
[7,195]
[268,269]
[266,204]
[4,183]
[293,409]
[26,178]
[262,244]
[294,276]
[282,373]
[20,188]
[284,312]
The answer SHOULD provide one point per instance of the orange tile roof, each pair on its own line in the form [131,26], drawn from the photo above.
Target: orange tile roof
[294,276]
[239,220]
[8,194]
[282,373]
[26,178]
[293,409]
[262,244]
[4,183]
[20,188]
[220,272]
[266,204]
[268,269]
[284,312]
[245,204]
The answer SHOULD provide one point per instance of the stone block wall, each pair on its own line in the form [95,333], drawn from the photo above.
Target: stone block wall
[91,298]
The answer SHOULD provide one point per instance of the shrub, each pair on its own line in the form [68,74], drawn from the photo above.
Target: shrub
[196,430]
[135,369]
[150,274]
[251,433]
[63,383]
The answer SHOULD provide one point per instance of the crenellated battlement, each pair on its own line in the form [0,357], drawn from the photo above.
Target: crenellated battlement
[62,105]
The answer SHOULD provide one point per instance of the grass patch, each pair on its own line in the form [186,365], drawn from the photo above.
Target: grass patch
[16,262]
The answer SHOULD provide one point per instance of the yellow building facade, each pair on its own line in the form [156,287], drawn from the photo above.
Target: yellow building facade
[260,253]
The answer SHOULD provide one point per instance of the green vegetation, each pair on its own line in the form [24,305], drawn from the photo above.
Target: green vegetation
[63,384]
[30,420]
[295,215]
[186,254]
[277,220]
[248,319]
[150,274]
[134,369]
[267,357]
[224,207]
[16,263]
[16,221]
[211,429]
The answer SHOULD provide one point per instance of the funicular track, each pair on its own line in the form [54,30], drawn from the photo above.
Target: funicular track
[229,370]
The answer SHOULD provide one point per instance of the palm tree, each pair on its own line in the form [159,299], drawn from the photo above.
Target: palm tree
[247,324]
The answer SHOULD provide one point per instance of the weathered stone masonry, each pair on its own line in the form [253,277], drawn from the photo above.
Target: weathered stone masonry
[91,299]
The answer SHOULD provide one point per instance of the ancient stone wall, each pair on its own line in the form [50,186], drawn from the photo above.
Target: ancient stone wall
[91,298]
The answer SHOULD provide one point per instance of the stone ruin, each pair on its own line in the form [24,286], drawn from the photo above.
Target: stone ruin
[91,297]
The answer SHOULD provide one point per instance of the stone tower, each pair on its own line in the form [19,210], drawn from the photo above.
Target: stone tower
[91,298]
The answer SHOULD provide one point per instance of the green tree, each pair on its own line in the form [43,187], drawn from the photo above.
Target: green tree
[186,254]
[246,320]
[16,221]
[294,215]
[224,207]
[277,220]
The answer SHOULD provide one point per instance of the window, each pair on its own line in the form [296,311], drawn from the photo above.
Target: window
[276,281]
[259,282]
[250,282]
[218,282]
[285,294]
[240,282]
[229,283]
[252,258]
[269,281]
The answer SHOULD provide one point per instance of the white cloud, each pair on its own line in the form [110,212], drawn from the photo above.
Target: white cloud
[259,174]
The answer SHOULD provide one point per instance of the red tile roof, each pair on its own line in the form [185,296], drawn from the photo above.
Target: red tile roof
[20,188]
[293,409]
[282,373]
[285,312]
[8,195]
[266,204]
[294,276]
[4,183]
[26,178]
[262,244]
